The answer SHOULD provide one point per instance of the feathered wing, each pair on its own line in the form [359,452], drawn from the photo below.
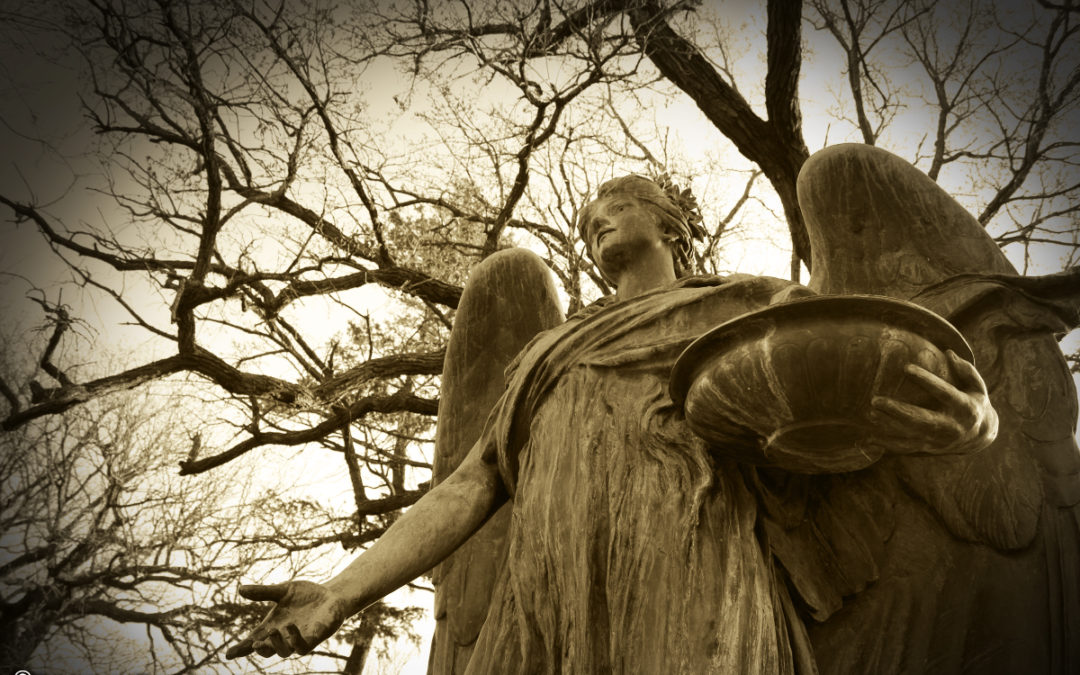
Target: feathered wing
[508,299]
[942,564]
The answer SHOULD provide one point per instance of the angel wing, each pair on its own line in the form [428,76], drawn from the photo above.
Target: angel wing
[508,299]
[939,564]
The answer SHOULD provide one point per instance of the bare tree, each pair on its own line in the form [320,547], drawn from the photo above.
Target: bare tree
[102,537]
[1001,87]
[860,27]
[295,258]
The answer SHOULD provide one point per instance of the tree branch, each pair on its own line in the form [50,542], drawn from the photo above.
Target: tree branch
[401,401]
[775,145]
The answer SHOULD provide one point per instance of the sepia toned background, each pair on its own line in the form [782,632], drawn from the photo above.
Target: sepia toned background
[235,234]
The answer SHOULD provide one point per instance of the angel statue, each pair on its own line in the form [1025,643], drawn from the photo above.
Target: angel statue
[580,525]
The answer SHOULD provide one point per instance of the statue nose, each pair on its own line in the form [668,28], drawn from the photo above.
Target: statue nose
[598,224]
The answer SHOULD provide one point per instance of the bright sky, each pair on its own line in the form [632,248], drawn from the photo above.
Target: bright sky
[43,99]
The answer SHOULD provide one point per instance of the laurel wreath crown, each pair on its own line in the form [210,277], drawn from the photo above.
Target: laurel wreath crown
[684,199]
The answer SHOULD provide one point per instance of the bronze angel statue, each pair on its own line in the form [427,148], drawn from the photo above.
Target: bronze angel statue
[580,525]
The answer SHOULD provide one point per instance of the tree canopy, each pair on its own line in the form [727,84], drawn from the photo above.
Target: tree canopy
[278,202]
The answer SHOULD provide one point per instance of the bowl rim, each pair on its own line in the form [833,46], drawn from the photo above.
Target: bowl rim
[928,324]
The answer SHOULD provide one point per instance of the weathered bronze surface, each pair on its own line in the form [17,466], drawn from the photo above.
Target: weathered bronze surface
[792,384]
[967,563]
[515,286]
[932,535]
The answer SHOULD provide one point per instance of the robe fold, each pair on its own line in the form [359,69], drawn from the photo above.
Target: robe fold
[632,545]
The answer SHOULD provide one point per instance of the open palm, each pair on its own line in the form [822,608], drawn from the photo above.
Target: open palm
[306,613]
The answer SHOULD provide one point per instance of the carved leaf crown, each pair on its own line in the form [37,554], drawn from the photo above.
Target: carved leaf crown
[684,199]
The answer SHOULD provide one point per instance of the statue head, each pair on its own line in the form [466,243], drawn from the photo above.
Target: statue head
[675,210]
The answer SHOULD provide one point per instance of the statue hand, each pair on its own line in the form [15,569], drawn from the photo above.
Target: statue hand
[306,613]
[963,421]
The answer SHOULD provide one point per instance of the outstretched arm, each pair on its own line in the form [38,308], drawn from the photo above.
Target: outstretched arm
[307,613]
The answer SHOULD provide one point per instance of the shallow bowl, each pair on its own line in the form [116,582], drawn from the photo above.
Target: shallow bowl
[790,385]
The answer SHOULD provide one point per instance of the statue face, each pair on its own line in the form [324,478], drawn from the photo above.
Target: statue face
[619,229]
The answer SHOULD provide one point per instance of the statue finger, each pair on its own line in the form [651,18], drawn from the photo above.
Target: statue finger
[242,648]
[264,592]
[280,645]
[966,374]
[916,422]
[937,387]
[263,648]
[296,640]
[962,407]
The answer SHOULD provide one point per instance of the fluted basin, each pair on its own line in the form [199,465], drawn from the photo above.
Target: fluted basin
[790,385]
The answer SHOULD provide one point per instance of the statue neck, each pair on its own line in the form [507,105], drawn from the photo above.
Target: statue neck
[647,275]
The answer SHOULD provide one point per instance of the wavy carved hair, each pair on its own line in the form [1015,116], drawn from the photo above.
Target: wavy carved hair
[672,220]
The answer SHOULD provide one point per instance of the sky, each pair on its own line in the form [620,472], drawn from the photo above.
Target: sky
[46,140]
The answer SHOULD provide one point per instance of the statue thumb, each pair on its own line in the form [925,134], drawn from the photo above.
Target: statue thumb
[259,592]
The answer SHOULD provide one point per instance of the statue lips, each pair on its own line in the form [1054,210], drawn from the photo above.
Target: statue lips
[609,234]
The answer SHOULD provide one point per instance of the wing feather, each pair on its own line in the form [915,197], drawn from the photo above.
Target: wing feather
[508,299]
[938,564]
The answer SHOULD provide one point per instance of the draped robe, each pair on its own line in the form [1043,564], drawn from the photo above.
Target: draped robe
[632,545]
[916,564]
